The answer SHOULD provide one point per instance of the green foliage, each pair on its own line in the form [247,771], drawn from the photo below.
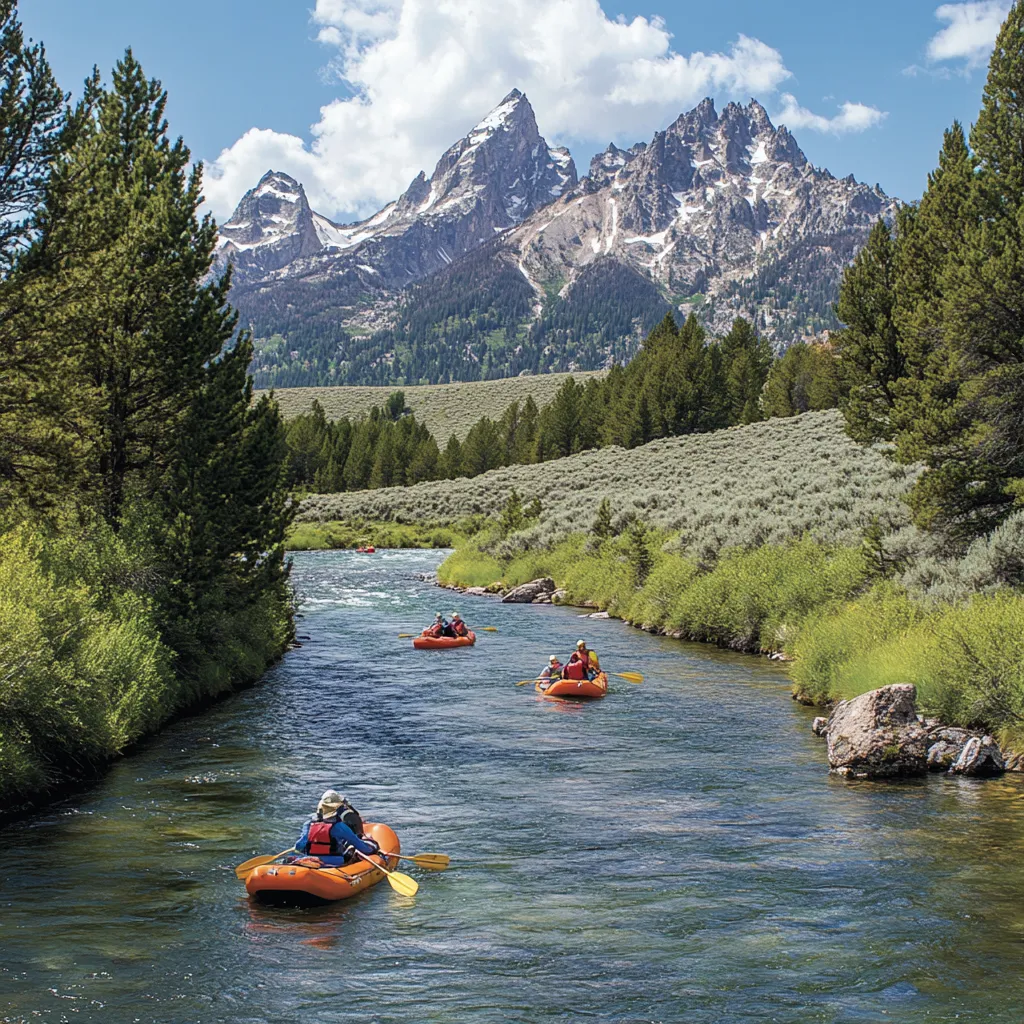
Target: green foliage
[935,342]
[966,660]
[358,532]
[513,517]
[641,560]
[805,378]
[145,544]
[602,528]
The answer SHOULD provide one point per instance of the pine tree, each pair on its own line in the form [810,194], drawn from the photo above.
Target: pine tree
[451,462]
[425,462]
[35,127]
[746,361]
[512,515]
[972,441]
[387,471]
[526,435]
[641,559]
[602,525]
[483,448]
[560,422]
[803,379]
[360,461]
[871,359]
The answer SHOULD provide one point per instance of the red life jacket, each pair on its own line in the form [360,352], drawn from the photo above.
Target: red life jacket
[436,631]
[320,842]
[575,669]
[459,628]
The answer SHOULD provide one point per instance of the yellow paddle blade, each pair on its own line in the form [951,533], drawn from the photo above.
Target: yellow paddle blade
[633,677]
[488,629]
[405,636]
[523,682]
[403,884]
[430,861]
[249,866]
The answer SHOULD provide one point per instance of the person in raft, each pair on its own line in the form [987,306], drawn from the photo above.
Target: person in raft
[582,663]
[439,629]
[551,673]
[334,832]
[457,626]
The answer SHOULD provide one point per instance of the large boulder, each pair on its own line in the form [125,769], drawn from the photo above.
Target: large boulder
[477,592]
[527,593]
[878,735]
[981,756]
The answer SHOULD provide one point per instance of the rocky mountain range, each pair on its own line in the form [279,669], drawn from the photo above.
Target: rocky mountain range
[503,262]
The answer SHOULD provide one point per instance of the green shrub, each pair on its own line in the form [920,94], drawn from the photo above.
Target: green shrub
[82,669]
[755,600]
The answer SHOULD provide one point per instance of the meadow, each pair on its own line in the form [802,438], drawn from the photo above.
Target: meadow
[446,409]
[745,486]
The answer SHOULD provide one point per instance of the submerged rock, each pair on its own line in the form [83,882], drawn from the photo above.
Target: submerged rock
[981,756]
[877,735]
[820,726]
[527,593]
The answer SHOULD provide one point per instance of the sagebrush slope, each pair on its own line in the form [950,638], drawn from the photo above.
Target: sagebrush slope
[763,483]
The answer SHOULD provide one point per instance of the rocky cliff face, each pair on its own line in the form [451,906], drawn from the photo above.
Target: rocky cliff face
[702,209]
[489,181]
[720,214]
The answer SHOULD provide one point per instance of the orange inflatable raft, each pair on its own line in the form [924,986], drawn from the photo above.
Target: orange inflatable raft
[299,883]
[576,689]
[439,643]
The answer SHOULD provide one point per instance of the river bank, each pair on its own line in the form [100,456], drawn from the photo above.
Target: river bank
[843,628]
[618,861]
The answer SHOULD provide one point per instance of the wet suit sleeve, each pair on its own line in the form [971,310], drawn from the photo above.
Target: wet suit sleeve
[344,836]
[302,843]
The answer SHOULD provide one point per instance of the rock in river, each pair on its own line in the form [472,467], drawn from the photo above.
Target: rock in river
[529,592]
[877,735]
[981,756]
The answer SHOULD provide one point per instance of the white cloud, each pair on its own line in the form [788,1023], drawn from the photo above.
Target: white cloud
[970,32]
[852,117]
[418,74]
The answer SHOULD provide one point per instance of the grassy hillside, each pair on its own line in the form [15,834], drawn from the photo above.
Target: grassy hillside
[763,483]
[445,408]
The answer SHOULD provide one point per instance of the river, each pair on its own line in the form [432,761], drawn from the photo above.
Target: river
[676,852]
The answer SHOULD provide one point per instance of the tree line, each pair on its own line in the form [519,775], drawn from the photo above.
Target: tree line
[681,382]
[933,350]
[141,487]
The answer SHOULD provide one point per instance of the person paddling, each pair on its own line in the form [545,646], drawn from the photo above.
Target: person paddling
[439,629]
[457,626]
[591,666]
[334,831]
[552,673]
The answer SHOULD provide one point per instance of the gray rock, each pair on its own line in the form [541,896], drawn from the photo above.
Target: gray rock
[980,756]
[527,593]
[597,615]
[558,597]
[1014,762]
[820,726]
[877,735]
[542,599]
[477,591]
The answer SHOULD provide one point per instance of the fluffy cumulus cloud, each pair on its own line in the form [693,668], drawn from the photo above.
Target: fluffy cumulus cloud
[852,117]
[970,31]
[421,73]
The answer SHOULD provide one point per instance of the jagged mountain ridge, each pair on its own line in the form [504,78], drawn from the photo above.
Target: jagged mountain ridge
[719,214]
[487,182]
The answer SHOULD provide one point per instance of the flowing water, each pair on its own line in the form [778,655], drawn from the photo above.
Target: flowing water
[676,852]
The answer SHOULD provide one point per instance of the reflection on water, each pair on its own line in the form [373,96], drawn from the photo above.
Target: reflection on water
[676,852]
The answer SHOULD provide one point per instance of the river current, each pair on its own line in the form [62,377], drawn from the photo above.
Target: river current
[674,853]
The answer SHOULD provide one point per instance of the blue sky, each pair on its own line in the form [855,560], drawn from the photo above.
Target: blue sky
[354,96]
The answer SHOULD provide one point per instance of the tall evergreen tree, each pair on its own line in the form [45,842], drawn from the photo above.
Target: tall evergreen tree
[871,359]
[746,360]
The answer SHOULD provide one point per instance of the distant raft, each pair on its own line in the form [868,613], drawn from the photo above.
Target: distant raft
[300,883]
[366,551]
[440,643]
[575,689]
